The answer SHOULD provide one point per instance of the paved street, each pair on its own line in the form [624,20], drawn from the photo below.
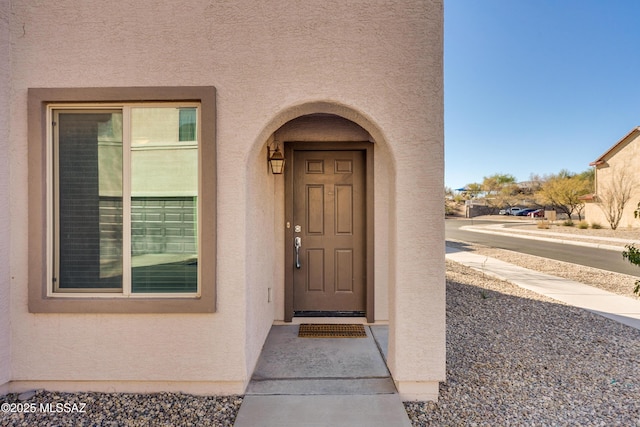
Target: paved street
[592,257]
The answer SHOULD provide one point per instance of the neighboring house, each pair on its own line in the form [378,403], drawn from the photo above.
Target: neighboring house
[146,245]
[617,176]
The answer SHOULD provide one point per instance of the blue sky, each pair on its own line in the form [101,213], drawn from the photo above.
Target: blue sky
[537,86]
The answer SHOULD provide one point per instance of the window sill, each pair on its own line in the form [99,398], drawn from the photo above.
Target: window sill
[64,304]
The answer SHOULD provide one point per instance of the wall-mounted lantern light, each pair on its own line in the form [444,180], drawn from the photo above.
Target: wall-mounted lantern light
[276,160]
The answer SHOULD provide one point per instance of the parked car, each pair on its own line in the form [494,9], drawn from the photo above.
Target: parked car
[538,213]
[524,212]
[510,211]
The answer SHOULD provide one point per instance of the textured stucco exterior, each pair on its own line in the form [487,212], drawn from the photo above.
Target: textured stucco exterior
[617,168]
[377,64]
[5,276]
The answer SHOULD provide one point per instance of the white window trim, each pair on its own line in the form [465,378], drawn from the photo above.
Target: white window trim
[127,148]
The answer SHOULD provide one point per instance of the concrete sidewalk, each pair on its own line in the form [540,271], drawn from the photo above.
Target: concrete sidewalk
[616,307]
[322,382]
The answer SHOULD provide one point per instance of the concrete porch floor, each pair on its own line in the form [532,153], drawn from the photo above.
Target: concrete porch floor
[322,382]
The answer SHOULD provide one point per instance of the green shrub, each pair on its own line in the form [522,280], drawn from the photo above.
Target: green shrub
[568,223]
[632,254]
[583,225]
[596,226]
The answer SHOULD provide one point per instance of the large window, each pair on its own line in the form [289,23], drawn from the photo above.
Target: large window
[125,199]
[126,217]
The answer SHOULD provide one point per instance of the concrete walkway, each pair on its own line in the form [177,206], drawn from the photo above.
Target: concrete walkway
[345,382]
[616,307]
[322,382]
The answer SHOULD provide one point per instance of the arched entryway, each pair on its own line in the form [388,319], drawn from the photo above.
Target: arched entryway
[334,127]
[323,126]
[399,238]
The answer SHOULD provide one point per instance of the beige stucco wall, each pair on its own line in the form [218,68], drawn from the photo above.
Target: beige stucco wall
[620,166]
[5,275]
[377,63]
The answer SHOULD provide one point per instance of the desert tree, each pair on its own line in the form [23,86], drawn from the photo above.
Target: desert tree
[614,195]
[564,192]
[473,190]
[500,190]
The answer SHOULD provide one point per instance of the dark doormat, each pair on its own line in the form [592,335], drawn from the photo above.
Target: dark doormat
[308,330]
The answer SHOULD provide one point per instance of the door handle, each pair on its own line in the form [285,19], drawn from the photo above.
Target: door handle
[298,244]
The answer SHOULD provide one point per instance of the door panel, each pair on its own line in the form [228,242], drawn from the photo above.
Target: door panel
[344,270]
[314,270]
[344,210]
[329,208]
[315,209]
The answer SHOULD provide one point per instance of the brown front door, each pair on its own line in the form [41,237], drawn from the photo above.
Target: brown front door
[329,226]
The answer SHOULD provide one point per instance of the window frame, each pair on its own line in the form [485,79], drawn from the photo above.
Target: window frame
[42,298]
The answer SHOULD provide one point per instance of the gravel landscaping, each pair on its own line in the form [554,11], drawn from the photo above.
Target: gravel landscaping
[514,358]
[517,358]
[120,409]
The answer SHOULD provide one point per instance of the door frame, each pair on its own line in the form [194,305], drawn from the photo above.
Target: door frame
[289,149]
